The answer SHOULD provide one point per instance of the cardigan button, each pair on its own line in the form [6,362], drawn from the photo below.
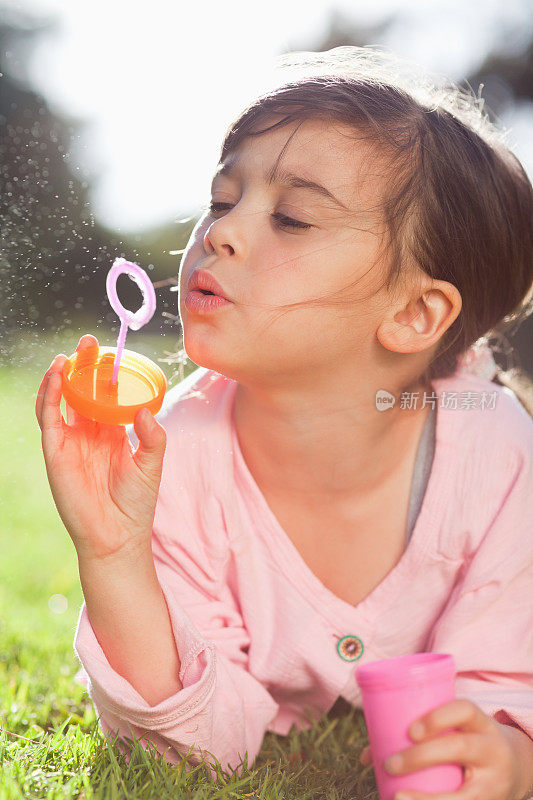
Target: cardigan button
[350,647]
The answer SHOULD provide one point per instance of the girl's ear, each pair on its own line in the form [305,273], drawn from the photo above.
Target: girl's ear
[421,321]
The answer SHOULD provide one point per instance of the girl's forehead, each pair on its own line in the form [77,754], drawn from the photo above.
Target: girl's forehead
[308,139]
[317,153]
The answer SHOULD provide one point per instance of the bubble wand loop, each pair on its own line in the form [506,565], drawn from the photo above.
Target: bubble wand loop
[129,319]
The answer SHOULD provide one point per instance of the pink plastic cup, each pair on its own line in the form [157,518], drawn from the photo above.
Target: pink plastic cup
[395,692]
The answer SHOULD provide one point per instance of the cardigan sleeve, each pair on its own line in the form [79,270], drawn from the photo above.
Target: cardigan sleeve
[487,624]
[222,709]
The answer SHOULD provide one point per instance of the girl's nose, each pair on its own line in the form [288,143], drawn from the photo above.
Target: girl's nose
[228,234]
[211,243]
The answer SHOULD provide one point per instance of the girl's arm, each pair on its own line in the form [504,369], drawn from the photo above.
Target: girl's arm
[130,618]
[220,708]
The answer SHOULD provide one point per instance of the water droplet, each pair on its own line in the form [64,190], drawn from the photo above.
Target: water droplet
[58,603]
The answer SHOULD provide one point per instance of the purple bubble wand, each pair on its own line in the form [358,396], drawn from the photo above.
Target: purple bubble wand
[129,319]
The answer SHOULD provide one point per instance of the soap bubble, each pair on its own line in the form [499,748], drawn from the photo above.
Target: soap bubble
[58,603]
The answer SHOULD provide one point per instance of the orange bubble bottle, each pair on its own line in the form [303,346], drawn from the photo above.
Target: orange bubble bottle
[111,384]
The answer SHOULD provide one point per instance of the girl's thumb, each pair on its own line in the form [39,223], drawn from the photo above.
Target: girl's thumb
[152,444]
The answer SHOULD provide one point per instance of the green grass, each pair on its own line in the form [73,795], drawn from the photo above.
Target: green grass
[50,743]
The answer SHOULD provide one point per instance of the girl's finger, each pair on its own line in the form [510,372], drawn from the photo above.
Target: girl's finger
[52,422]
[39,400]
[87,350]
[41,391]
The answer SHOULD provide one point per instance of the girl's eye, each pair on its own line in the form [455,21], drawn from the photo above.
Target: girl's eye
[281,219]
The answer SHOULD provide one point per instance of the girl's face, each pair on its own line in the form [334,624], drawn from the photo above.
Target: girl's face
[249,242]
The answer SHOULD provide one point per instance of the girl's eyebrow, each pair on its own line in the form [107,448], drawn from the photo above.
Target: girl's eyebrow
[282,177]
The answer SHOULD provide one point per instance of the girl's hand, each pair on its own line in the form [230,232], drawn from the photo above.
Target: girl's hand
[480,744]
[104,492]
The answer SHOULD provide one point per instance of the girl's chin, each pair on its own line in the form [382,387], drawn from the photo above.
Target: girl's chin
[203,351]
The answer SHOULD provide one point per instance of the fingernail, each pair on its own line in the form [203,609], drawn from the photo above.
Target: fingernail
[402,796]
[393,763]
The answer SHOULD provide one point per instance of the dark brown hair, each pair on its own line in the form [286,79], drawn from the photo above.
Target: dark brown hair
[458,203]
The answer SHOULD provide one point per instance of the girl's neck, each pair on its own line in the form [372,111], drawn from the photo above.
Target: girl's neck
[321,450]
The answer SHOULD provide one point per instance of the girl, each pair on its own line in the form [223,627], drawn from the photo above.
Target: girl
[336,483]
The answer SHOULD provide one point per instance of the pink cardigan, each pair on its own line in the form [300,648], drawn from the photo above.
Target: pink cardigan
[262,641]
